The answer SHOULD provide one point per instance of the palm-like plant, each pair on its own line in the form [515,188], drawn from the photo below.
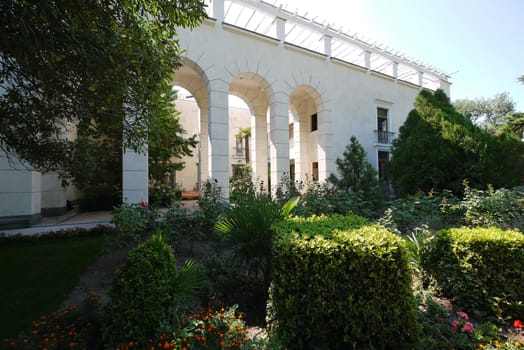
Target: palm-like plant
[248,228]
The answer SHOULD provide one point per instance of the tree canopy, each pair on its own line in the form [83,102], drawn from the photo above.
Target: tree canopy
[438,148]
[86,64]
[490,113]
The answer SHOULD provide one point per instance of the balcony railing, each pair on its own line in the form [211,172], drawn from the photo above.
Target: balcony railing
[383,137]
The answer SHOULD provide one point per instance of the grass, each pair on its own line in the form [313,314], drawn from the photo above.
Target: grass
[35,278]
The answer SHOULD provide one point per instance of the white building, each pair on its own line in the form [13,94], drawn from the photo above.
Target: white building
[280,64]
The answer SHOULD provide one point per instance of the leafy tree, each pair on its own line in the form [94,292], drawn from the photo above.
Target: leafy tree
[90,63]
[490,113]
[514,125]
[521,79]
[356,173]
[438,147]
[165,139]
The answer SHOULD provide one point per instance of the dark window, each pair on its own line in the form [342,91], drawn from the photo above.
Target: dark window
[314,122]
[291,130]
[382,125]
[383,158]
[292,169]
[314,171]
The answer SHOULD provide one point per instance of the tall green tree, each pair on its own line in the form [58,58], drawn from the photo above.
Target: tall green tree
[489,113]
[355,173]
[166,139]
[88,63]
[438,147]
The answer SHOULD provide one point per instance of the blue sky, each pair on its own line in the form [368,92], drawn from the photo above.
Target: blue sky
[479,42]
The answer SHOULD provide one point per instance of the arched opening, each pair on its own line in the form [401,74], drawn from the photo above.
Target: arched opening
[306,134]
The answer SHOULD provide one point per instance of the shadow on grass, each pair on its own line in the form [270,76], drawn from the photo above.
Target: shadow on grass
[36,276]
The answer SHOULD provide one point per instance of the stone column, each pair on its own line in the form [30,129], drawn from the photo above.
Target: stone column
[135,179]
[259,143]
[279,137]
[218,131]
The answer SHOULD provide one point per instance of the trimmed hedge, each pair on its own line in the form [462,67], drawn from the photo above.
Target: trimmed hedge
[482,269]
[338,284]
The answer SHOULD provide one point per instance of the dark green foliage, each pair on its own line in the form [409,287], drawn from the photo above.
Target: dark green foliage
[434,210]
[146,291]
[503,208]
[212,205]
[247,227]
[164,196]
[72,62]
[438,147]
[165,138]
[96,167]
[481,269]
[357,175]
[338,284]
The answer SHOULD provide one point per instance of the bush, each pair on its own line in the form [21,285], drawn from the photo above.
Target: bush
[338,284]
[146,292]
[481,269]
[133,222]
[164,196]
[248,228]
[436,210]
[503,208]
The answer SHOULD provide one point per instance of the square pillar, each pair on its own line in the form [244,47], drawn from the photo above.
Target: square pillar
[279,138]
[259,145]
[135,176]
[218,134]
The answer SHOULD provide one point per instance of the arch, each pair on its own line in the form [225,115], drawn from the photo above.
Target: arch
[255,90]
[307,140]
[192,78]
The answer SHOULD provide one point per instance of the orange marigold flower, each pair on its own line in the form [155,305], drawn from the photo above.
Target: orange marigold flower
[222,344]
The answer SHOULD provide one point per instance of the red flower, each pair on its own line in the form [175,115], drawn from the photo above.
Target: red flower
[518,324]
[143,204]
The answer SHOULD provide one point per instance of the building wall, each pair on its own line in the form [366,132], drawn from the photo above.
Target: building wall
[345,96]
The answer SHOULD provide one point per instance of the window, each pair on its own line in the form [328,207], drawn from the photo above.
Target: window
[239,147]
[382,126]
[292,170]
[314,122]
[383,158]
[291,130]
[314,171]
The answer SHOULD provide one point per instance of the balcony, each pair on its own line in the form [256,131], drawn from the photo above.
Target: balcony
[383,137]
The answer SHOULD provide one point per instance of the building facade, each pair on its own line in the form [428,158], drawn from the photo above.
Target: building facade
[308,88]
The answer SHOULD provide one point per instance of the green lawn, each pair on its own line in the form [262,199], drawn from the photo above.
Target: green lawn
[35,277]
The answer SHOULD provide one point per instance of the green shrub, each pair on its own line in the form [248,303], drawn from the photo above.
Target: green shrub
[436,210]
[164,196]
[133,222]
[248,228]
[146,292]
[503,208]
[480,268]
[338,284]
